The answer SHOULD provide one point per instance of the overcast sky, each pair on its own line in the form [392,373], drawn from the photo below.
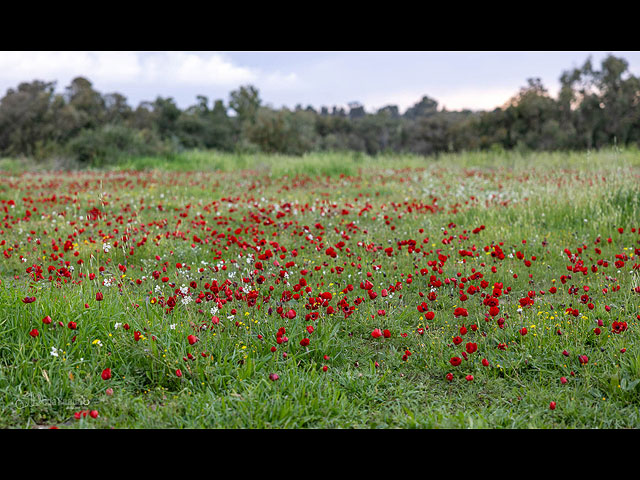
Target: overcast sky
[457,80]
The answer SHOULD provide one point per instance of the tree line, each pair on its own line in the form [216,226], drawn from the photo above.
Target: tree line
[595,108]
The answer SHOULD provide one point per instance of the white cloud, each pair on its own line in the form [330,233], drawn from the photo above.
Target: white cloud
[104,66]
[177,68]
[204,69]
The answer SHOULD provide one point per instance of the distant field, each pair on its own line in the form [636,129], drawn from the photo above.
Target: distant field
[482,290]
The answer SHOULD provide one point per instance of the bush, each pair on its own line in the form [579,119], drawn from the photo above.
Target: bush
[109,143]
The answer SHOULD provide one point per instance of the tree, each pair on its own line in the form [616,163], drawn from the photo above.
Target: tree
[424,108]
[165,117]
[245,102]
[87,102]
[117,110]
[26,116]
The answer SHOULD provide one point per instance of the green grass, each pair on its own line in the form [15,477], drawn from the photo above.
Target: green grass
[552,200]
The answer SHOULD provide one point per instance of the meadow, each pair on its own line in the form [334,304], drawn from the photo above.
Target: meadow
[208,290]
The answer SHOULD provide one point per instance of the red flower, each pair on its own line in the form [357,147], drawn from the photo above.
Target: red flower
[457,340]
[523,331]
[72,325]
[93,413]
[471,347]
[28,299]
[304,342]
[583,359]
[485,362]
[450,376]
[46,320]
[34,333]
[386,333]
[178,373]
[192,339]
[469,378]
[455,361]
[552,405]
[99,296]
[137,335]
[273,377]
[460,312]
[106,374]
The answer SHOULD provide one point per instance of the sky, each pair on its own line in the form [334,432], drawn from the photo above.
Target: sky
[479,80]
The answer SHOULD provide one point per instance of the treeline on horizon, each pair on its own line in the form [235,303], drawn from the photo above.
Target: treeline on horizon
[595,108]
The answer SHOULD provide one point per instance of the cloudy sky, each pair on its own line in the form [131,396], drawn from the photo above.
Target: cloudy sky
[457,80]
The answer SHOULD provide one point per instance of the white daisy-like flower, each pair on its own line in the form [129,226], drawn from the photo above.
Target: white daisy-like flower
[172,326]
[118,325]
[54,351]
[106,247]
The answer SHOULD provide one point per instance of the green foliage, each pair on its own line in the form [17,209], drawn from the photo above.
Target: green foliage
[110,143]
[594,109]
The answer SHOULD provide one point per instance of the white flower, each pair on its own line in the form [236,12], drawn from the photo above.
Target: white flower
[107,282]
[172,326]
[186,300]
[117,325]
[184,289]
[54,351]
[106,247]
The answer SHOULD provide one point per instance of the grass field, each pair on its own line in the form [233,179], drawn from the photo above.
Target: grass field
[488,290]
